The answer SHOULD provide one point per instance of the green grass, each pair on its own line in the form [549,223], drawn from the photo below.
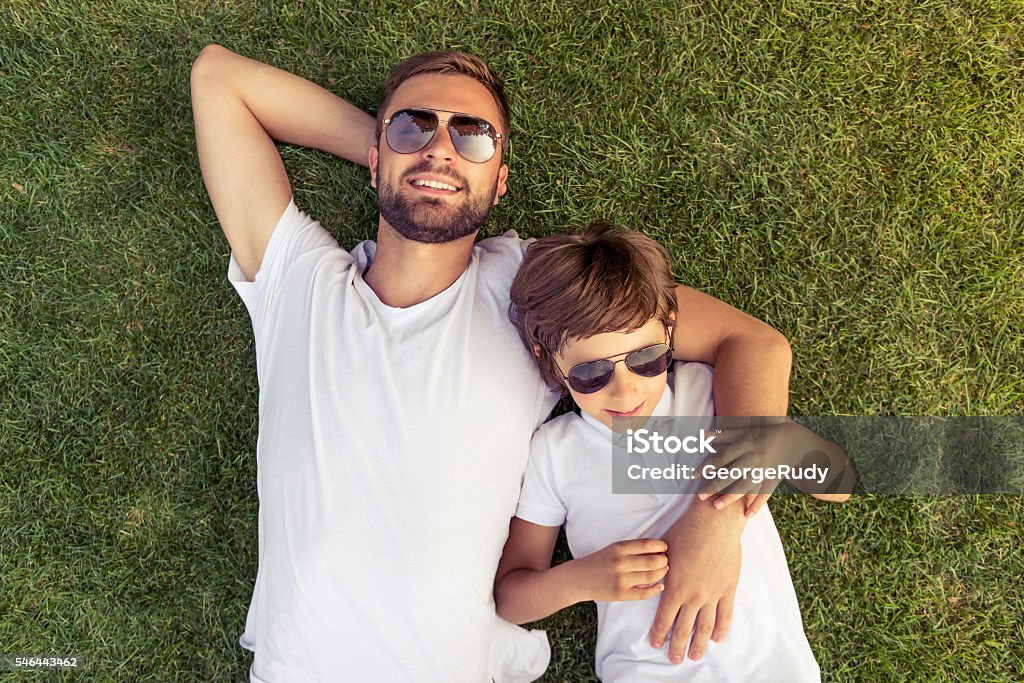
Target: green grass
[853,175]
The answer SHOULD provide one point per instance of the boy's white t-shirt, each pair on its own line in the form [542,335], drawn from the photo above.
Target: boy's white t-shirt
[569,480]
[392,444]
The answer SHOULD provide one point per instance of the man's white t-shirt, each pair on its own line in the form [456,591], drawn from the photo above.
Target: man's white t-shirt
[569,480]
[392,444]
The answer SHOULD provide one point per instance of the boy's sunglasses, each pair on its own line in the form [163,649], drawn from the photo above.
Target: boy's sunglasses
[592,376]
[410,130]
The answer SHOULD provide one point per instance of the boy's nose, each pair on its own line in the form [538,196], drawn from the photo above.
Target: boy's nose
[624,382]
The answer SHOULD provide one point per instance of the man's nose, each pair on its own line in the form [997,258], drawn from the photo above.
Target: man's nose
[440,146]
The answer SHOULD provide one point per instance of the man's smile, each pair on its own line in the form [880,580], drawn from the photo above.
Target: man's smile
[434,186]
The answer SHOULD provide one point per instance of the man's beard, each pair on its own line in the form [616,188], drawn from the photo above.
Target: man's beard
[430,220]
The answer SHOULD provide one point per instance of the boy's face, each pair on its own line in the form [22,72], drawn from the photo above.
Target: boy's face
[627,394]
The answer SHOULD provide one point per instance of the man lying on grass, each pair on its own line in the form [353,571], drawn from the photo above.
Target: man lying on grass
[396,401]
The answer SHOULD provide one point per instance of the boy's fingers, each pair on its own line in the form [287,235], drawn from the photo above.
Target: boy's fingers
[642,546]
[702,631]
[650,591]
[648,578]
[639,564]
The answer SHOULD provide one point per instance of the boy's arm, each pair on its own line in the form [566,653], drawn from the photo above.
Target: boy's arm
[752,363]
[528,588]
[241,107]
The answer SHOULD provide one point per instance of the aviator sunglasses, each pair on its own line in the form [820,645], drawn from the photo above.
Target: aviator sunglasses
[410,130]
[592,376]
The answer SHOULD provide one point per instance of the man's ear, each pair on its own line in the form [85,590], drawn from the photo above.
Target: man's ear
[501,188]
[373,158]
[536,350]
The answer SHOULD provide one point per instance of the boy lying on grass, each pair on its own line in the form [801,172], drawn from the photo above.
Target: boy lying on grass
[597,312]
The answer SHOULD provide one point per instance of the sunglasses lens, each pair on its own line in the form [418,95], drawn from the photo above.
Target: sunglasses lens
[651,361]
[473,138]
[590,377]
[410,130]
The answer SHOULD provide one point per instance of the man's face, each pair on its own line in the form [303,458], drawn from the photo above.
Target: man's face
[406,201]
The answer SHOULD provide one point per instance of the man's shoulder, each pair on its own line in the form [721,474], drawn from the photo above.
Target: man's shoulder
[507,241]
[499,259]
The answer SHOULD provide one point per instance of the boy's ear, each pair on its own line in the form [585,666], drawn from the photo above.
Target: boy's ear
[536,350]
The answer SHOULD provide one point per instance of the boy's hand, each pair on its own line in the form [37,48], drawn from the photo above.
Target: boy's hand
[626,570]
[700,589]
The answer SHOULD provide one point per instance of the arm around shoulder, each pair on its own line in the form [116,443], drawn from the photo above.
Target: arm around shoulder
[752,359]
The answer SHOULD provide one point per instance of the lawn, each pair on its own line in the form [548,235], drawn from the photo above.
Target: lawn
[851,173]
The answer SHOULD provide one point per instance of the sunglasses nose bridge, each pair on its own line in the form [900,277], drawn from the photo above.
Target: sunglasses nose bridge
[440,142]
[623,380]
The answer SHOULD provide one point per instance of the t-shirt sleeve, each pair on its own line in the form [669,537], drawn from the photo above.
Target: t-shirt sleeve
[692,389]
[500,259]
[294,235]
[540,502]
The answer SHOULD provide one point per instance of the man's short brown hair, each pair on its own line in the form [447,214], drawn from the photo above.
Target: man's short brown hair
[445,62]
[570,287]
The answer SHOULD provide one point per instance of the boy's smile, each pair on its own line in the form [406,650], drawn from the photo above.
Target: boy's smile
[627,394]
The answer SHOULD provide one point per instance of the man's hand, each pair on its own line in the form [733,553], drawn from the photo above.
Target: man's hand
[754,448]
[704,553]
[626,570]
[771,446]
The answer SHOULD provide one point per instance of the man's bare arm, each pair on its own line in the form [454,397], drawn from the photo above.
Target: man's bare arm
[241,107]
[752,359]
[752,363]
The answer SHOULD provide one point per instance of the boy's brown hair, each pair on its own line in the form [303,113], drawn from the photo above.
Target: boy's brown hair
[604,279]
[445,62]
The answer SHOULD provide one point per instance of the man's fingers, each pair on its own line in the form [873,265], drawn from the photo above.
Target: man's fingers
[726,500]
[681,634]
[758,503]
[664,617]
[729,454]
[736,488]
[723,618]
[702,631]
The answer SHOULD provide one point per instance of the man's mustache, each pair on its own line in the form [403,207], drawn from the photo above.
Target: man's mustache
[426,167]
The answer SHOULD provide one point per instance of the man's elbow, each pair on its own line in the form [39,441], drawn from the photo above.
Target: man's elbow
[777,346]
[770,345]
